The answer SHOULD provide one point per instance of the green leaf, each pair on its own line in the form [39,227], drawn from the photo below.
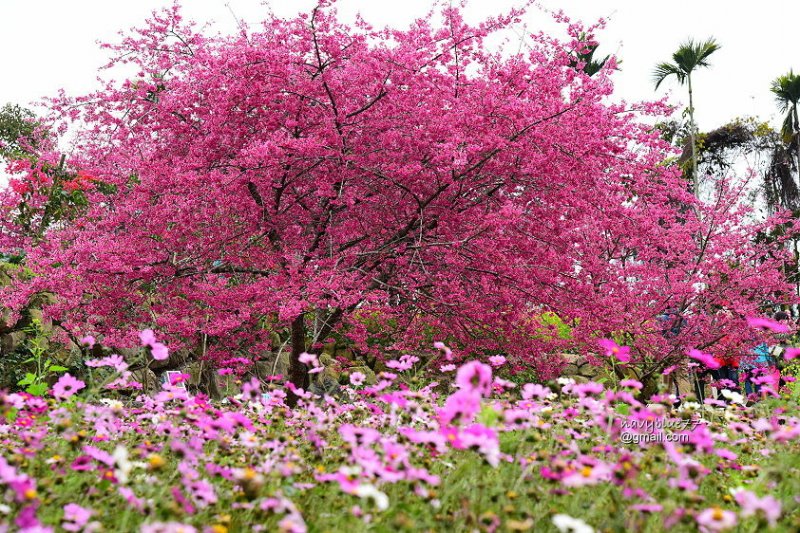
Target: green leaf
[488,416]
[623,409]
[37,389]
[57,368]
[27,380]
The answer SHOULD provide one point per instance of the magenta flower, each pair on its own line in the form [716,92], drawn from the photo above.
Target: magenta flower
[497,361]
[534,390]
[308,359]
[705,358]
[157,350]
[752,504]
[447,352]
[475,376]
[631,383]
[461,406]
[791,353]
[75,517]
[621,353]
[66,386]
[147,337]
[88,340]
[716,519]
[767,324]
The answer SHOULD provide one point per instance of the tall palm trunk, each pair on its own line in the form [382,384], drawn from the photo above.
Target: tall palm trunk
[693,140]
[796,137]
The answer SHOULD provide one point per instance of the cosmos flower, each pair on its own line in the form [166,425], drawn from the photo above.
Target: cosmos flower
[752,505]
[767,324]
[67,386]
[621,353]
[705,358]
[567,524]
[715,519]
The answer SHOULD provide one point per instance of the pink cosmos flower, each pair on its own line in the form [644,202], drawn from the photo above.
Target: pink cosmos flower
[447,352]
[669,370]
[588,475]
[447,368]
[75,517]
[497,361]
[631,383]
[535,390]
[157,350]
[767,324]
[406,362]
[147,337]
[66,386]
[752,504]
[716,519]
[88,340]
[357,379]
[622,353]
[791,353]
[705,358]
[113,360]
[462,406]
[475,376]
[308,359]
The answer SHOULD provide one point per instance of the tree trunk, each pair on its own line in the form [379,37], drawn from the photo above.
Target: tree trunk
[796,138]
[693,141]
[298,373]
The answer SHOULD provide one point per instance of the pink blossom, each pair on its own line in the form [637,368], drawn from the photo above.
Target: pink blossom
[752,504]
[66,386]
[475,376]
[791,353]
[497,360]
[308,359]
[767,324]
[147,337]
[75,517]
[535,390]
[631,383]
[448,353]
[716,519]
[357,379]
[621,353]
[707,359]
[88,340]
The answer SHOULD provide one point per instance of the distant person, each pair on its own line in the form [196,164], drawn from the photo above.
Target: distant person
[756,366]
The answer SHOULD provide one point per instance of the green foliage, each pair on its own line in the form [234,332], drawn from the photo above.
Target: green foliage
[43,368]
[17,131]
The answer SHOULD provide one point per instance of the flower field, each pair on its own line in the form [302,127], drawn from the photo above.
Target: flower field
[474,452]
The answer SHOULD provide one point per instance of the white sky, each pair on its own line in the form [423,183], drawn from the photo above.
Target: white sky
[50,44]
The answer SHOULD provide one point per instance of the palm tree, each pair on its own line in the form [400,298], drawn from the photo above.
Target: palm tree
[689,56]
[786,89]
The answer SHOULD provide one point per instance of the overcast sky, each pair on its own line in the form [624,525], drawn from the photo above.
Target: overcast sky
[50,44]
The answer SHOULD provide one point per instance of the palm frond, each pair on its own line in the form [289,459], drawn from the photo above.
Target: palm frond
[665,70]
[692,54]
[786,89]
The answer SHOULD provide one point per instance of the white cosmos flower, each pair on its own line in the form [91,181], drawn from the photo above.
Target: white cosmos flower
[566,524]
[123,466]
[369,491]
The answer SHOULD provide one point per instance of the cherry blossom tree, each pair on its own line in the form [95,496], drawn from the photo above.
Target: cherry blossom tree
[312,179]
